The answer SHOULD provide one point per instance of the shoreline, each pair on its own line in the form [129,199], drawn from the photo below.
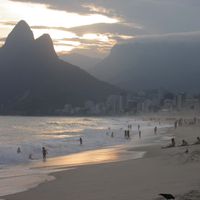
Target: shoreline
[159,171]
[157,159]
[42,171]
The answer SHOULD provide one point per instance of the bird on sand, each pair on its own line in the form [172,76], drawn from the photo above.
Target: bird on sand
[167,196]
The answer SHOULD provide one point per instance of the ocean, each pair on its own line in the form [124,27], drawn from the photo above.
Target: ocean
[60,136]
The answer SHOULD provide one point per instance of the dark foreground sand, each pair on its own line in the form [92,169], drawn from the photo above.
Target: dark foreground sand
[160,171]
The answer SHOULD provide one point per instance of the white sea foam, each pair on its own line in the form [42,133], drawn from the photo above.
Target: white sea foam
[61,135]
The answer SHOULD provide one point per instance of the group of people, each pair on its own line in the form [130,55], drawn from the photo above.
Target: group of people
[127,131]
[184,143]
[44,151]
[127,134]
[180,122]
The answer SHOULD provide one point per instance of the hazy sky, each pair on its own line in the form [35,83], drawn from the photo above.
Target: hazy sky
[93,27]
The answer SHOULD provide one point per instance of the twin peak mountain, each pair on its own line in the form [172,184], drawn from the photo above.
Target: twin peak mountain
[33,80]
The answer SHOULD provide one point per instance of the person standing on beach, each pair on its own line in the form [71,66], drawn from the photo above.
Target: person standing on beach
[155,130]
[173,144]
[30,156]
[140,133]
[138,127]
[128,134]
[19,150]
[81,141]
[44,153]
[175,124]
[112,134]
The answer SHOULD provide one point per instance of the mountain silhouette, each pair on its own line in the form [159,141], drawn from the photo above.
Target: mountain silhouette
[33,80]
[21,36]
[170,62]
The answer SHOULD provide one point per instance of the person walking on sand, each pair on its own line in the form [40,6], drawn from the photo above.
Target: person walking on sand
[81,141]
[44,153]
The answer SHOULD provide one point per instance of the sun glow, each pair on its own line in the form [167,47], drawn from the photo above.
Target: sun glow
[42,15]
[99,37]
[55,34]
[57,23]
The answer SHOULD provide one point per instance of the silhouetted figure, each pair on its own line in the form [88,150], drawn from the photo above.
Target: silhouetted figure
[140,133]
[184,143]
[173,144]
[155,130]
[19,150]
[112,134]
[138,127]
[81,141]
[197,141]
[44,153]
[128,134]
[30,156]
[167,196]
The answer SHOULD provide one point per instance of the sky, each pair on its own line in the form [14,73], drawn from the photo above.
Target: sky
[93,27]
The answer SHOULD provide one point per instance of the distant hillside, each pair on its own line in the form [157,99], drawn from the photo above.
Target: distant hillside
[33,80]
[171,62]
[84,62]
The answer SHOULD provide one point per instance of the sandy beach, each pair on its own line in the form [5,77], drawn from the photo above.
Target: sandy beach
[159,171]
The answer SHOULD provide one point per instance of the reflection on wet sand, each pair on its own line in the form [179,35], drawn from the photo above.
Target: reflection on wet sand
[89,157]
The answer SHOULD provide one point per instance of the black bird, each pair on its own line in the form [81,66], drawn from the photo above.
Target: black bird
[167,196]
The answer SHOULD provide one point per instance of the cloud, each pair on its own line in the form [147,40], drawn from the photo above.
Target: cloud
[101,37]
[137,17]
[119,28]
[155,16]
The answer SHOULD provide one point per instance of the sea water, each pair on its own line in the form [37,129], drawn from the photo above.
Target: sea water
[102,136]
